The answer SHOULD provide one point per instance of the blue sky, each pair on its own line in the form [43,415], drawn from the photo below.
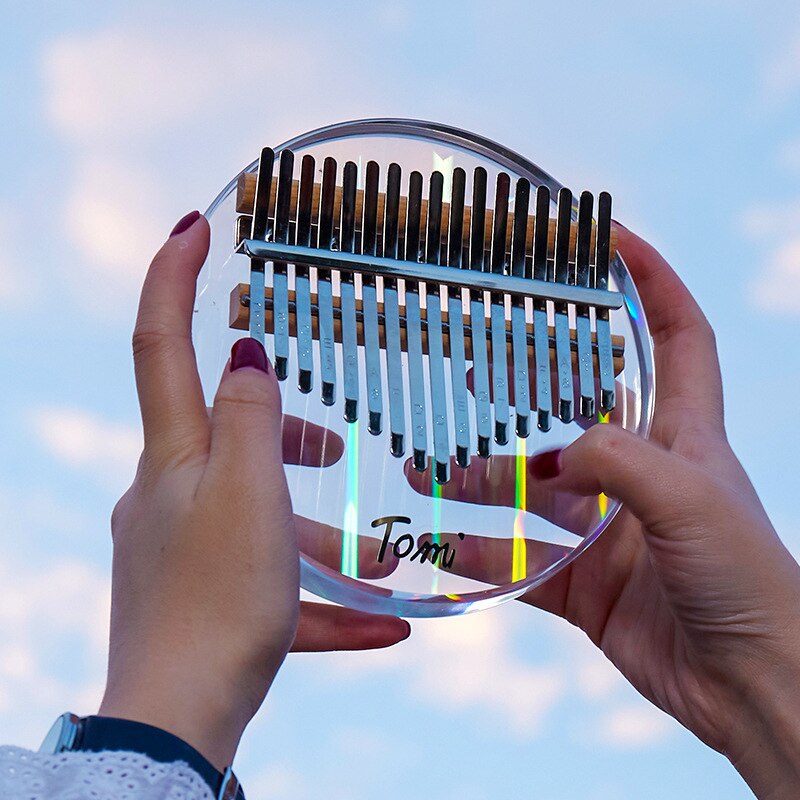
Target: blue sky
[117,120]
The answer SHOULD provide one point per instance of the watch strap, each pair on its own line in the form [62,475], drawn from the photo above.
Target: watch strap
[97,733]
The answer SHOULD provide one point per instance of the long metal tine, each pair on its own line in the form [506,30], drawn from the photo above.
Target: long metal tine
[280,277]
[349,330]
[394,363]
[563,354]
[519,334]
[327,354]
[259,230]
[582,320]
[455,319]
[604,353]
[541,344]
[416,375]
[498,312]
[441,441]
[302,284]
[369,295]
[480,357]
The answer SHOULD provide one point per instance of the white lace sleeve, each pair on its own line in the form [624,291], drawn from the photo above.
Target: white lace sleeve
[119,775]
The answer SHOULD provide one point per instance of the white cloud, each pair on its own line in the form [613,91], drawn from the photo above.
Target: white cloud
[114,216]
[54,629]
[635,726]
[775,228]
[109,450]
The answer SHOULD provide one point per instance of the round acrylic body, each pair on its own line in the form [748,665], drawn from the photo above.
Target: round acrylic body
[363,515]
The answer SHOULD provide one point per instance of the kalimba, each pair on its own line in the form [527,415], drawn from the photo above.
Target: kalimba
[438,309]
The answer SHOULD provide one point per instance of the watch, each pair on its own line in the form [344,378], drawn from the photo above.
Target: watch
[95,734]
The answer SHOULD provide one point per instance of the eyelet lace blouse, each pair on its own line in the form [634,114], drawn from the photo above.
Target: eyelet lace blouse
[111,775]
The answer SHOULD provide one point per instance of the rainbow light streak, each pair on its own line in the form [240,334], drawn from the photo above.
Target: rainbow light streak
[519,559]
[602,500]
[350,525]
[436,527]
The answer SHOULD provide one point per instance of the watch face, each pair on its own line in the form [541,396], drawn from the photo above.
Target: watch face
[62,735]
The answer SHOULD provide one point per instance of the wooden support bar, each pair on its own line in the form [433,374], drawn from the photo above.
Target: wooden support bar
[240,320]
[245,194]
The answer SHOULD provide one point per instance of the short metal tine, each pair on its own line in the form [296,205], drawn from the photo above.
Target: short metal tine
[477,311]
[348,290]
[416,374]
[259,230]
[369,296]
[604,353]
[302,283]
[327,339]
[455,319]
[582,321]
[441,440]
[280,277]
[563,353]
[498,313]
[541,337]
[394,358]
[519,333]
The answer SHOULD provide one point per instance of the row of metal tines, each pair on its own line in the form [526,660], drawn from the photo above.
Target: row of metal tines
[414,240]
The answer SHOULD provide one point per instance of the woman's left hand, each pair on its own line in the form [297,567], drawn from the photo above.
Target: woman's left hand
[205,569]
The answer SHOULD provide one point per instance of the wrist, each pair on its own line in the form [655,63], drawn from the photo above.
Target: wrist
[765,746]
[206,717]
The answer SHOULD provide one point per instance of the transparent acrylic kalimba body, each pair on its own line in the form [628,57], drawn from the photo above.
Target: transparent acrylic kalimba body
[374,533]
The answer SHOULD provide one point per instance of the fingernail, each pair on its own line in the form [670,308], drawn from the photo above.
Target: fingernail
[619,224]
[546,465]
[407,631]
[184,223]
[249,352]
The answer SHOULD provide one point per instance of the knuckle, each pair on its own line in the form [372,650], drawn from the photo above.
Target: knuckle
[246,392]
[152,335]
[603,442]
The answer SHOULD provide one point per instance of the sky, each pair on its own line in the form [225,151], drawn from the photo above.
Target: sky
[119,118]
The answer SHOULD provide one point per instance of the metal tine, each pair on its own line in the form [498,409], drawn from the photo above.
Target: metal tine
[348,291]
[519,334]
[302,284]
[394,358]
[455,318]
[477,312]
[541,338]
[280,278]
[369,295]
[327,353]
[441,441]
[604,354]
[563,354]
[582,321]
[416,375]
[259,230]
[498,311]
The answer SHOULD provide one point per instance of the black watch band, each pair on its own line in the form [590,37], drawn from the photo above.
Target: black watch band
[96,734]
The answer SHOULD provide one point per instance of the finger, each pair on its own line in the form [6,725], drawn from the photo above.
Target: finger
[324,544]
[325,627]
[663,490]
[493,482]
[496,561]
[246,420]
[689,381]
[309,445]
[170,394]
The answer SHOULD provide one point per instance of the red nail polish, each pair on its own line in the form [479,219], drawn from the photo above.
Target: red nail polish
[184,223]
[546,465]
[249,352]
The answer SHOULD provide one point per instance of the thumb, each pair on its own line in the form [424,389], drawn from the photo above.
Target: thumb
[246,419]
[667,493]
